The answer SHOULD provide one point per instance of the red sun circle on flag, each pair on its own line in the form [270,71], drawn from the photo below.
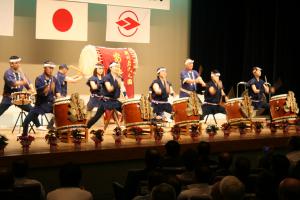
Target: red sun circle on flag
[62,20]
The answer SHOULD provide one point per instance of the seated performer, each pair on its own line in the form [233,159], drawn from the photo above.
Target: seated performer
[189,79]
[48,89]
[15,81]
[95,84]
[257,88]
[112,86]
[213,95]
[160,90]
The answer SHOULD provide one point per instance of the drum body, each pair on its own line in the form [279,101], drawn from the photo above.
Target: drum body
[233,110]
[21,98]
[132,113]
[91,55]
[180,114]
[61,113]
[277,110]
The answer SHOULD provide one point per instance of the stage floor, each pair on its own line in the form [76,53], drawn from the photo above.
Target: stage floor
[40,154]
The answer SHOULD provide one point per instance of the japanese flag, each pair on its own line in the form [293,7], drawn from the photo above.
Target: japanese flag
[7,17]
[60,20]
[126,24]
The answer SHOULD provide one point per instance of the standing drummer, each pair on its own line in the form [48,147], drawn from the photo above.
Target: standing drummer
[160,90]
[15,81]
[112,84]
[257,90]
[189,79]
[48,89]
[213,95]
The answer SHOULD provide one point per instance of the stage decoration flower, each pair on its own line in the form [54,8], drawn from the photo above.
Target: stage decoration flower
[194,133]
[77,138]
[273,127]
[25,141]
[118,136]
[137,132]
[97,136]
[212,129]
[175,130]
[242,127]
[226,128]
[52,139]
[298,125]
[3,143]
[258,126]
[285,126]
[158,133]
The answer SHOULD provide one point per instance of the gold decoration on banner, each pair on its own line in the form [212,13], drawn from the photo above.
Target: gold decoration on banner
[194,105]
[145,107]
[77,109]
[117,57]
[291,104]
[246,106]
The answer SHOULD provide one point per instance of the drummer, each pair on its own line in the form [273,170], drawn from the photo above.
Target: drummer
[15,81]
[48,89]
[95,84]
[189,79]
[213,95]
[160,90]
[112,84]
[256,91]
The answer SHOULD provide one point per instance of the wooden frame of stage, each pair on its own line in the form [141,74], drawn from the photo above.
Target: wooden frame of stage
[40,155]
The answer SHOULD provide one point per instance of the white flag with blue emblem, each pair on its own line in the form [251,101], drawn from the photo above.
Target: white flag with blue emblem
[7,17]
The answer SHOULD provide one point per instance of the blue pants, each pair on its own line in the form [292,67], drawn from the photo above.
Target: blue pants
[159,109]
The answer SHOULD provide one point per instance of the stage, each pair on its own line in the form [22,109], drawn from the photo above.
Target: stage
[40,155]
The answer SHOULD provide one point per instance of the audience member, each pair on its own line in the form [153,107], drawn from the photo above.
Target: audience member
[172,157]
[189,158]
[70,178]
[289,189]
[231,188]
[163,191]
[203,149]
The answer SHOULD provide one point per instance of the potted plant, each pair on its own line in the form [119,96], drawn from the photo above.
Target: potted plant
[195,132]
[52,139]
[77,138]
[25,141]
[158,134]
[211,130]
[226,127]
[273,127]
[137,132]
[97,136]
[258,126]
[242,128]
[117,135]
[298,126]
[285,126]
[175,130]
[3,143]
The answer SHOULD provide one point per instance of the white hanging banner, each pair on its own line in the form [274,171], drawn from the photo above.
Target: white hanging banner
[154,4]
[7,17]
[127,24]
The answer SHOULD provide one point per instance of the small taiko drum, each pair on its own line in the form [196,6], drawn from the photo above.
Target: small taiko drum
[278,113]
[181,118]
[62,120]
[233,110]
[21,98]
[132,113]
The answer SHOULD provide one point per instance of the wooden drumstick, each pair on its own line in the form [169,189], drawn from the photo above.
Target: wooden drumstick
[75,68]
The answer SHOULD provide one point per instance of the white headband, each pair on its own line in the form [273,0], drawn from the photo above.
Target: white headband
[99,66]
[188,61]
[15,60]
[161,69]
[114,64]
[215,74]
[49,65]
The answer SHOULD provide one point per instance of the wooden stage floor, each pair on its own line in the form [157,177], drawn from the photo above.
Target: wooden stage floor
[40,155]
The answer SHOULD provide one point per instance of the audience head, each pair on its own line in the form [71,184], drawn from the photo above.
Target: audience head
[295,171]
[203,149]
[152,158]
[231,188]
[225,160]
[7,179]
[70,175]
[215,191]
[266,186]
[202,173]
[163,191]
[280,165]
[155,178]
[189,158]
[20,168]
[175,183]
[172,148]
[289,189]
[242,166]
[294,143]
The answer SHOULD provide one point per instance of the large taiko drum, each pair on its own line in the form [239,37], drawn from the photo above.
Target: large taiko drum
[132,114]
[181,118]
[233,110]
[90,55]
[21,98]
[62,116]
[277,110]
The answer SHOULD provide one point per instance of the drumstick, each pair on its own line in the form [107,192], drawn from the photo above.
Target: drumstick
[75,68]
